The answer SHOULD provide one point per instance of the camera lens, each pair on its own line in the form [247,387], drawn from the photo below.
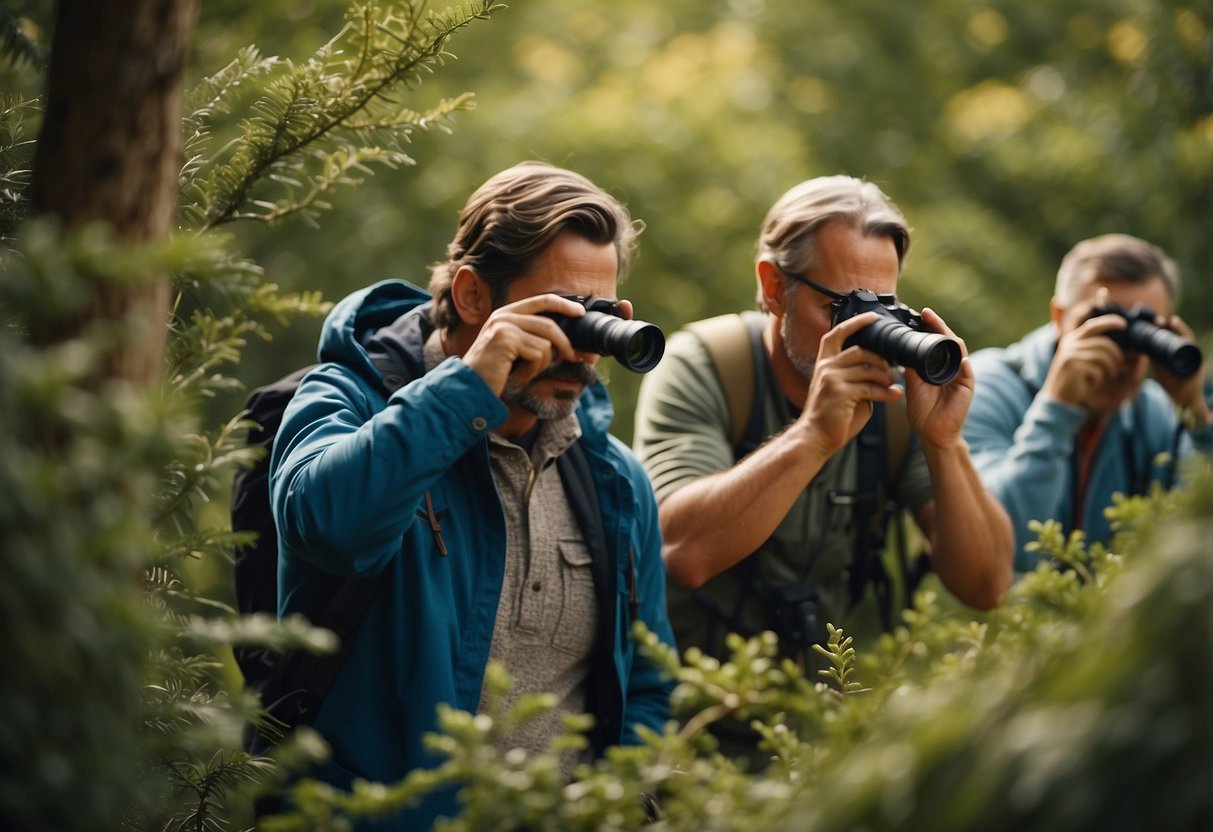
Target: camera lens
[938,362]
[1179,355]
[636,345]
[644,350]
[933,356]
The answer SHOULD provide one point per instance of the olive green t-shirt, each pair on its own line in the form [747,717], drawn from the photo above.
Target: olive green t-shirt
[682,434]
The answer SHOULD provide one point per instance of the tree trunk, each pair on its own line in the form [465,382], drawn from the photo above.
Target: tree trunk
[110,149]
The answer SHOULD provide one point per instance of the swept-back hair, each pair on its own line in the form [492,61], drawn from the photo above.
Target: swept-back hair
[789,232]
[511,219]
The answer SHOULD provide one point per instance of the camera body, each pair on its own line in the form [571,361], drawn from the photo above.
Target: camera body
[636,345]
[899,337]
[795,617]
[1167,348]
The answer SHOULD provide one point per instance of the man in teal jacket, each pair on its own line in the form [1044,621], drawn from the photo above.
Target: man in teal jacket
[459,455]
[1065,418]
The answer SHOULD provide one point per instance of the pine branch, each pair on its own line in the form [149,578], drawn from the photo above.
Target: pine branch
[319,115]
[16,161]
[16,47]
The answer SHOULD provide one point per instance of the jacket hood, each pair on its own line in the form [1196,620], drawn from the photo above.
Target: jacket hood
[357,317]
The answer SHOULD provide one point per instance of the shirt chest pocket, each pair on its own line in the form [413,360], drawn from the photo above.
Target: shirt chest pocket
[578,617]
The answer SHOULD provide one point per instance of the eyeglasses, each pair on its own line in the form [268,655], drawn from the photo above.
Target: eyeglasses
[886,299]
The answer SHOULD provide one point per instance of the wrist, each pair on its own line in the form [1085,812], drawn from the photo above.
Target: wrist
[808,443]
[1195,418]
[956,446]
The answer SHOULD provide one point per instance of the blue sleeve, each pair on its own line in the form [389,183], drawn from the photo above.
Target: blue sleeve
[1021,445]
[348,470]
[647,698]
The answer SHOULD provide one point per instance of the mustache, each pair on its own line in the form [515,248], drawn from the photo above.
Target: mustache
[573,371]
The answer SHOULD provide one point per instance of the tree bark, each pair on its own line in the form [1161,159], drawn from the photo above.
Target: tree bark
[110,149]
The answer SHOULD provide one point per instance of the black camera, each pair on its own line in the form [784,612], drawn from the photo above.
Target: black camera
[1165,347]
[636,345]
[794,617]
[898,336]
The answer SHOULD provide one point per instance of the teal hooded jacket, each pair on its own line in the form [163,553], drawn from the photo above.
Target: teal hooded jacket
[349,472]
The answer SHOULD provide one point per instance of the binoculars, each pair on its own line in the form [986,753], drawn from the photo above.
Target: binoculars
[1164,347]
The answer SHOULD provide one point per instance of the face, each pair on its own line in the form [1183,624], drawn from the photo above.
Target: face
[847,260]
[571,265]
[1153,294]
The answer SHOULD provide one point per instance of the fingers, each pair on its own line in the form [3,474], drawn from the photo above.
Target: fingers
[521,340]
[1084,360]
[1177,324]
[936,324]
[1100,325]
[832,342]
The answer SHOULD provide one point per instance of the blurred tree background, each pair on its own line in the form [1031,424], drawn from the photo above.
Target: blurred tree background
[1005,131]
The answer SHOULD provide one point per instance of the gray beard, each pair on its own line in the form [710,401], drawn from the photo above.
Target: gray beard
[545,409]
[541,408]
[803,365]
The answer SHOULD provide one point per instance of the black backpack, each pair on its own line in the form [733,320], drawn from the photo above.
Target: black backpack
[291,685]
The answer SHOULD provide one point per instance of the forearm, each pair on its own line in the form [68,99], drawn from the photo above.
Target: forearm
[714,522]
[972,542]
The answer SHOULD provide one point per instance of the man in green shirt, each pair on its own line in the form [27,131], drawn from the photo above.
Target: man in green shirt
[750,542]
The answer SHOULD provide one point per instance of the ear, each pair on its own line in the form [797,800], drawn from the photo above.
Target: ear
[772,286]
[471,296]
[1055,314]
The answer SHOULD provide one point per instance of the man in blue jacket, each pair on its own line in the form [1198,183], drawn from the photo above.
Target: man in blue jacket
[460,456]
[1065,418]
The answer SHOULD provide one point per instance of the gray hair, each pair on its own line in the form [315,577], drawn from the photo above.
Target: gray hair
[1115,257]
[788,237]
[511,219]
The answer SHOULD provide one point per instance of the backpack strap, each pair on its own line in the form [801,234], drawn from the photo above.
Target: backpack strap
[882,449]
[871,498]
[730,342]
[604,698]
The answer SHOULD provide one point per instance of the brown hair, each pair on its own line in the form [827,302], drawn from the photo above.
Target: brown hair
[513,217]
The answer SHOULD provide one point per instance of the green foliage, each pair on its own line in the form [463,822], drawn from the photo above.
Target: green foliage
[130,721]
[16,151]
[78,471]
[16,45]
[324,123]
[1077,704]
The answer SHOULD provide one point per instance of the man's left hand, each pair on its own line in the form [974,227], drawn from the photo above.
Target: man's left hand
[1187,393]
[937,411]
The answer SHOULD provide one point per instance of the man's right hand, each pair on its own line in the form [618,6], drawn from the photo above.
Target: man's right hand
[1084,359]
[845,383]
[518,340]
